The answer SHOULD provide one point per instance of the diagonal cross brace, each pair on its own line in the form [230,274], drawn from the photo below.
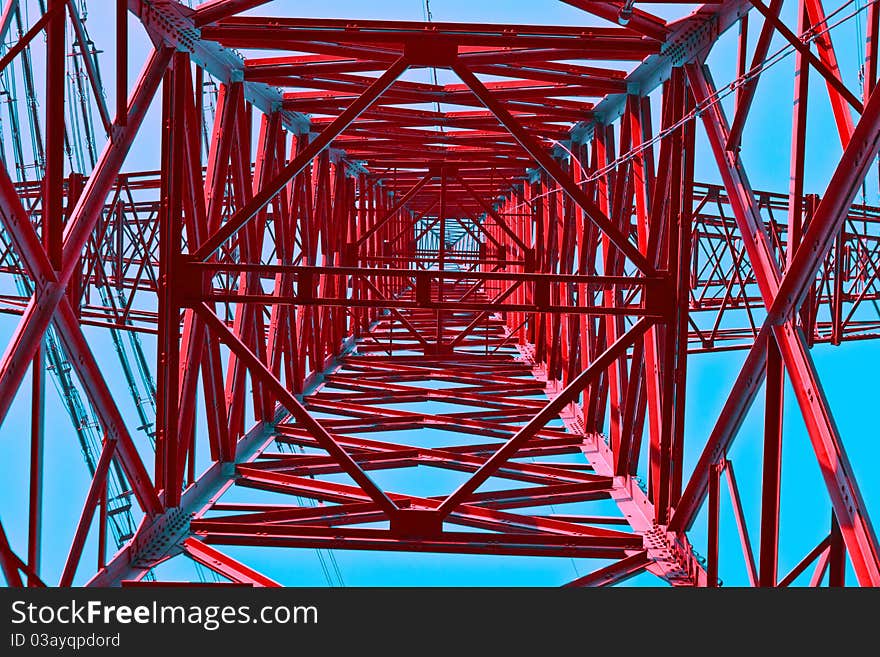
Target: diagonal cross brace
[259,371]
[781,296]
[50,285]
[554,170]
[551,410]
[225,565]
[50,303]
[301,161]
[27,245]
[397,207]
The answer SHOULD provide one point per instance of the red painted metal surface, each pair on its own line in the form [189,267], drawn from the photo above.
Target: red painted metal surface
[519,255]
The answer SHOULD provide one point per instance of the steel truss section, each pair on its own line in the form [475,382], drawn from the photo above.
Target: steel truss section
[498,282]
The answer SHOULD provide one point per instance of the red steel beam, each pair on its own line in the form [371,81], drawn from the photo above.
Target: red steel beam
[620,240]
[53,181]
[772,469]
[741,526]
[746,93]
[551,410]
[36,476]
[99,481]
[216,10]
[259,370]
[615,573]
[42,306]
[225,565]
[27,245]
[780,297]
[303,159]
[9,562]
[316,208]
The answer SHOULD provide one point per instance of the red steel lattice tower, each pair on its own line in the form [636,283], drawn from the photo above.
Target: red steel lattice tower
[329,259]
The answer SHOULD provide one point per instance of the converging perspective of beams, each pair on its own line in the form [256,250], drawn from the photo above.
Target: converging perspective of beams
[439,293]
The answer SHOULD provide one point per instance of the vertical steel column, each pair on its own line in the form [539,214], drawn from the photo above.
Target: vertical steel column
[122,62]
[714,525]
[836,555]
[667,482]
[53,182]
[35,510]
[441,256]
[636,399]
[102,528]
[798,145]
[679,338]
[742,54]
[169,472]
[770,486]
[872,29]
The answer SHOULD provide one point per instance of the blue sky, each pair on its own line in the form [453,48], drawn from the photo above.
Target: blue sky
[847,371]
